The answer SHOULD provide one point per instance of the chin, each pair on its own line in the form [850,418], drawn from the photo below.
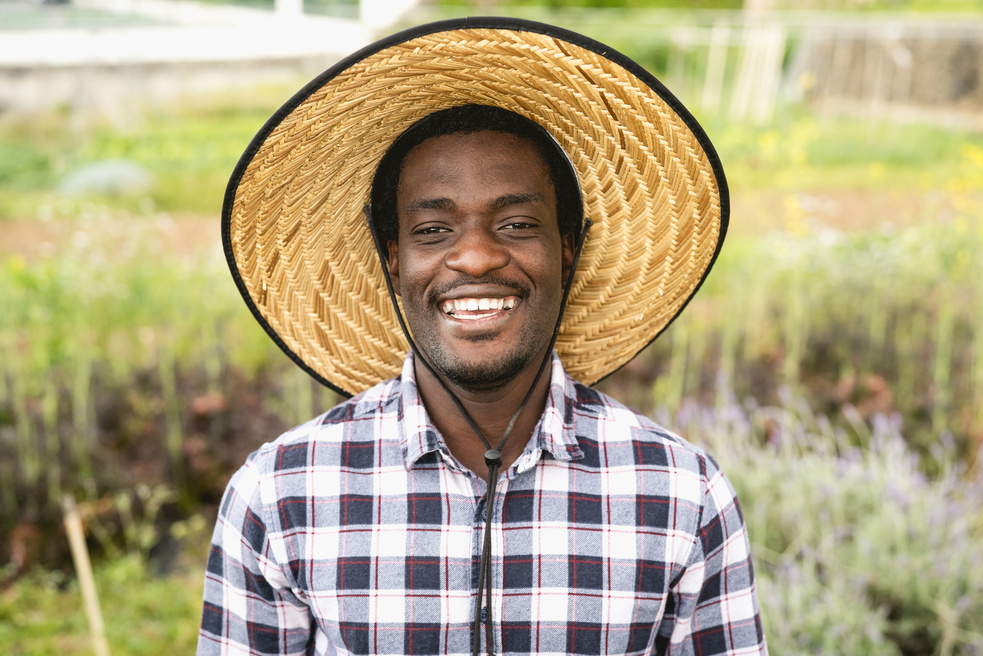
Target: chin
[484,374]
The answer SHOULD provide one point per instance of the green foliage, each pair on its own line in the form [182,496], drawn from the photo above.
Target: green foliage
[25,172]
[123,365]
[885,321]
[190,156]
[801,152]
[59,307]
[23,162]
[42,614]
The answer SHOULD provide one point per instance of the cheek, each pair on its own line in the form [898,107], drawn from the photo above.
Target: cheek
[413,277]
[547,266]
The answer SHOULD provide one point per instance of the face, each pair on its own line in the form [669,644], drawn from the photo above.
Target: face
[480,263]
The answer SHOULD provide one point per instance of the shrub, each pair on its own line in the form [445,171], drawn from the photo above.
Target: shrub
[857,551]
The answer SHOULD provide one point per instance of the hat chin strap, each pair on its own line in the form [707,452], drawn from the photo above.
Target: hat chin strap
[493,457]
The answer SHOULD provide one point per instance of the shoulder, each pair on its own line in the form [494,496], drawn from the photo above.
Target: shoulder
[616,433]
[344,435]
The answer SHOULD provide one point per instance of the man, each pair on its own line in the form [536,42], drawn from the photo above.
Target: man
[365,530]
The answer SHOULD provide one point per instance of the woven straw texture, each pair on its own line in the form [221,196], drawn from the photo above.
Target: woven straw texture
[304,252]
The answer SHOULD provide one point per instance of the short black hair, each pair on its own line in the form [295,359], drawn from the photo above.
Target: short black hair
[468,119]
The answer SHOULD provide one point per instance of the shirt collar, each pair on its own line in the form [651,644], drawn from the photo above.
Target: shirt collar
[553,434]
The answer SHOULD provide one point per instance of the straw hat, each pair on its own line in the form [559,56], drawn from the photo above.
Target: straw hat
[301,251]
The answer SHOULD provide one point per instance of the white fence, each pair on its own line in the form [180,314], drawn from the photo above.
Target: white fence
[162,49]
[739,64]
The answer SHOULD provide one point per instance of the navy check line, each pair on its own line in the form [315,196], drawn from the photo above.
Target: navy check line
[360,532]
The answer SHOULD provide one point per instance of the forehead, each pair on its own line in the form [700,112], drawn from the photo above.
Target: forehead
[470,160]
[485,143]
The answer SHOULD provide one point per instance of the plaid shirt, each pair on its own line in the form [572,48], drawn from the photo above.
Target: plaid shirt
[360,533]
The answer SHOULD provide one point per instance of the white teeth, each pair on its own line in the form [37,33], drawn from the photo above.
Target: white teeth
[473,304]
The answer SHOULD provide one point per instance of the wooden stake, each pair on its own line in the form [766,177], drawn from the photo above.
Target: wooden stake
[83,568]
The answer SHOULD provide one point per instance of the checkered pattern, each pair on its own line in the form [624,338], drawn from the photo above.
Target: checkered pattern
[359,533]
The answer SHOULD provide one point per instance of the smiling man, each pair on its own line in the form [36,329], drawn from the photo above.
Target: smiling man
[467,204]
[477,225]
[538,210]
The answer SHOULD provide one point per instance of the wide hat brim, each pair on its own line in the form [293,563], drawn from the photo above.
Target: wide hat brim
[301,251]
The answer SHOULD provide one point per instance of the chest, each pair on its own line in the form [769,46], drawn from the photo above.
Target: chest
[582,558]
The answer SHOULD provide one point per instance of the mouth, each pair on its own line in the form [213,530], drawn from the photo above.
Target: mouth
[477,308]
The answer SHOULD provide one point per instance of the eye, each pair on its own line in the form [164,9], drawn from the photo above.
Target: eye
[519,224]
[429,230]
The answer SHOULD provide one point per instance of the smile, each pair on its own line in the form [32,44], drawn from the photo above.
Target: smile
[473,309]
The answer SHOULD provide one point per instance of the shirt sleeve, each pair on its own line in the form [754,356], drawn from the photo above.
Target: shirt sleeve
[713,607]
[249,606]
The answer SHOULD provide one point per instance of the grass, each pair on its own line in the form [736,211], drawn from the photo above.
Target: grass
[803,154]
[144,613]
[189,151]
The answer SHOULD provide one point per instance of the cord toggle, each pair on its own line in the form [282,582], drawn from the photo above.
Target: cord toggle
[493,457]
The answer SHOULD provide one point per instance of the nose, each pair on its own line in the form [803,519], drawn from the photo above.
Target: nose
[477,252]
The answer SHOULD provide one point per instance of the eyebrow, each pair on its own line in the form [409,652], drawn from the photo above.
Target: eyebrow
[516,199]
[502,202]
[430,204]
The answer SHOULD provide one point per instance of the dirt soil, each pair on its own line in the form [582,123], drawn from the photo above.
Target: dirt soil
[192,235]
[751,213]
[755,212]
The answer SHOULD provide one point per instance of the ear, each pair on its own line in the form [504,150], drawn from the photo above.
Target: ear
[567,246]
[394,265]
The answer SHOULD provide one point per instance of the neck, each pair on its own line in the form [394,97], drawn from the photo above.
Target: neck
[490,409]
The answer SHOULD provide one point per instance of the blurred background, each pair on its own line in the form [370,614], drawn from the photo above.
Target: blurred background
[833,362]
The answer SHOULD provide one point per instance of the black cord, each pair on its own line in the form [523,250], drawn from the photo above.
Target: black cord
[493,457]
[494,460]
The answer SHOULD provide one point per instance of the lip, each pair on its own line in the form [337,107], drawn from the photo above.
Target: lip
[475,310]
[479,323]
[478,291]
[467,306]
[472,308]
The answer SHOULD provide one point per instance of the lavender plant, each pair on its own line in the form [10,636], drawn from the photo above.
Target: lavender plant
[857,550]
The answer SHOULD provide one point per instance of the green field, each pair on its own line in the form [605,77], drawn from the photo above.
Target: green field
[833,363]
